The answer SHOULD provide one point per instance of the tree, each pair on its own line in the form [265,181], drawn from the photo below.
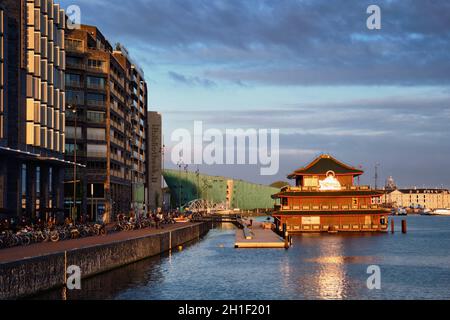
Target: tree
[279,184]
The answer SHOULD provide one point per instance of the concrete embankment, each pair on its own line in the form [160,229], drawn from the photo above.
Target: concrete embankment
[32,275]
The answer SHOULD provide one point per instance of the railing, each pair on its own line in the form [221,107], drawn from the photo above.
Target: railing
[343,188]
[96,103]
[75,65]
[100,69]
[328,207]
[96,86]
[74,47]
[76,84]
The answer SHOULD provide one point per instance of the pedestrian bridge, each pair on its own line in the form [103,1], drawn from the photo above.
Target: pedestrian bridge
[236,219]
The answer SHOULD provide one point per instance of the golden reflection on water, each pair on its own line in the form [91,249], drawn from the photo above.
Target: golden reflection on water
[325,275]
[330,280]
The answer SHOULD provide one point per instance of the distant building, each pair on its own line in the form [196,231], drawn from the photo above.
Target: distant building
[32,108]
[155,197]
[186,186]
[390,184]
[106,127]
[417,198]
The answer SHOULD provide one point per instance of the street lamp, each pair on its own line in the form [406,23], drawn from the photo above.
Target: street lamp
[180,164]
[73,109]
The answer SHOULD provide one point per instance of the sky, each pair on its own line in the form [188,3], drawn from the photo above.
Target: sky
[309,68]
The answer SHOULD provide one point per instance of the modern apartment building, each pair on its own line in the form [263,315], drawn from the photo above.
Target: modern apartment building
[154,165]
[105,127]
[32,107]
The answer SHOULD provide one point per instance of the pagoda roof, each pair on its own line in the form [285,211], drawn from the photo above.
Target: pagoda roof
[324,163]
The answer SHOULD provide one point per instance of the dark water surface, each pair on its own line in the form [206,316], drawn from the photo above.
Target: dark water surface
[318,266]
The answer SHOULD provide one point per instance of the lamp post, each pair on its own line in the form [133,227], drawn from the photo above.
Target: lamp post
[73,214]
[180,164]
[163,151]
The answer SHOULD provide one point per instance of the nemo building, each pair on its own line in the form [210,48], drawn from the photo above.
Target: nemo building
[326,199]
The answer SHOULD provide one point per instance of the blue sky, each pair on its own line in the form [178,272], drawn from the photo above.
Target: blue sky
[310,68]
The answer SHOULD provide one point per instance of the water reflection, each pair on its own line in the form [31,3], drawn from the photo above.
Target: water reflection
[414,266]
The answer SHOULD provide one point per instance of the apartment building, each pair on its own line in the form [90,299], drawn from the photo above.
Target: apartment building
[105,127]
[32,108]
[155,197]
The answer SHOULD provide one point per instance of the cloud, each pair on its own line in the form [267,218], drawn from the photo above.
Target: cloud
[191,81]
[287,42]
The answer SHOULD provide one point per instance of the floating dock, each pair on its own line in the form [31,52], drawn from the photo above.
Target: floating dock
[257,236]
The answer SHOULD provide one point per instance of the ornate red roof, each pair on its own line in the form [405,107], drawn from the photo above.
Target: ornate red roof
[323,164]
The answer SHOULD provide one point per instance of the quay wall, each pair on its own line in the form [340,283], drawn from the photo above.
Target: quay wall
[33,275]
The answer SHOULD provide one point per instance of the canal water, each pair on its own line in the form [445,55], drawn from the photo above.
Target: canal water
[415,265]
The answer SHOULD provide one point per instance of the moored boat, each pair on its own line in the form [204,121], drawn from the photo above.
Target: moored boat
[440,212]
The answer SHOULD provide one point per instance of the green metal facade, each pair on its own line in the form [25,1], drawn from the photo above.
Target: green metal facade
[244,195]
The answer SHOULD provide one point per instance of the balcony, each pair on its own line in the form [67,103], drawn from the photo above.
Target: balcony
[97,69]
[74,46]
[74,84]
[96,86]
[75,65]
[95,103]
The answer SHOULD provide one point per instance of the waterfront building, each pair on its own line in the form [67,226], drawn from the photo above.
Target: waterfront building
[32,107]
[326,199]
[106,129]
[186,186]
[155,198]
[415,198]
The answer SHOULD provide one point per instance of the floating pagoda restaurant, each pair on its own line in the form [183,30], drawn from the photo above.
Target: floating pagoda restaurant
[326,199]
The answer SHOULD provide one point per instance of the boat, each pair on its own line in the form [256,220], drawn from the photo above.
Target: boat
[402,211]
[326,199]
[425,212]
[440,212]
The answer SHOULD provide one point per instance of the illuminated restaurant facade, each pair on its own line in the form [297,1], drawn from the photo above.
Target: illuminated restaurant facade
[326,199]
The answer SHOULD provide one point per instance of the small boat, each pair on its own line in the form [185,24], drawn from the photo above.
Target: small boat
[425,212]
[401,212]
[181,220]
[440,212]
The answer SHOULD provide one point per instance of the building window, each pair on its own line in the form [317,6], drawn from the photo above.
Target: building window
[96,151]
[95,82]
[74,45]
[70,132]
[95,117]
[97,100]
[96,64]
[74,62]
[96,134]
[50,180]
[75,97]
[73,80]
[38,181]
